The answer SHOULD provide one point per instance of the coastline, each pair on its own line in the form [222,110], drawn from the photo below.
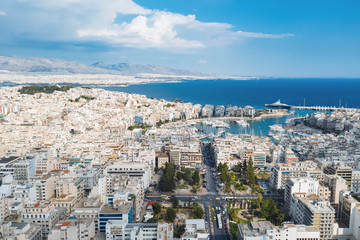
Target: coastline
[258,118]
[102,80]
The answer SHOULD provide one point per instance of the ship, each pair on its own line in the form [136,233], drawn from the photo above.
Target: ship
[279,105]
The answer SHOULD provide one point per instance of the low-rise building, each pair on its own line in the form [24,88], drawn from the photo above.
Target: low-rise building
[195,230]
[267,231]
[73,230]
[121,230]
[20,231]
[88,209]
[123,213]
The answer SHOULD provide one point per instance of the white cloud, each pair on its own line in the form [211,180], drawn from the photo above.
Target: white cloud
[157,30]
[2,13]
[202,61]
[94,20]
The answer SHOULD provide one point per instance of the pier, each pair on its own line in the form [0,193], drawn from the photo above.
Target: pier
[320,108]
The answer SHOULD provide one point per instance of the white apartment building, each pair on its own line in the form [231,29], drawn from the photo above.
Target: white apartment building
[44,215]
[73,230]
[195,230]
[281,172]
[138,171]
[267,231]
[306,186]
[120,230]
[88,209]
[45,186]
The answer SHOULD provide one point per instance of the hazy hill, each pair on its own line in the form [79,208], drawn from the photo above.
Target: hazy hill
[45,65]
[132,69]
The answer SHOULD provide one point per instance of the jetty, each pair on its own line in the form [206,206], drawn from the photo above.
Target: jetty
[321,108]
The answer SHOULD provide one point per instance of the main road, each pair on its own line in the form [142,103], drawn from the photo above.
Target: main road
[213,197]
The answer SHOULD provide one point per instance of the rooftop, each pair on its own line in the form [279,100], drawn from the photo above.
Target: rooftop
[123,209]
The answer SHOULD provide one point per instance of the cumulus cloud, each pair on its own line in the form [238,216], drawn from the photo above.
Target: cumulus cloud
[2,13]
[156,30]
[138,27]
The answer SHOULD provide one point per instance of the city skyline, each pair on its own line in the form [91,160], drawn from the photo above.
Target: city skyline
[257,38]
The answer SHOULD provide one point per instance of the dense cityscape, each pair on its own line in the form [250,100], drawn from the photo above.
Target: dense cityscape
[83,163]
[179,120]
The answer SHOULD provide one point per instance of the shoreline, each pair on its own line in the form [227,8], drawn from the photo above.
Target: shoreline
[104,80]
[258,118]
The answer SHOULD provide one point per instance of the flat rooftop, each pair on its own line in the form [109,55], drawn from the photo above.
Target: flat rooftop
[123,209]
[6,160]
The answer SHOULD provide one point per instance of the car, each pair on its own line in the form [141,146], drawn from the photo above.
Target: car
[217,198]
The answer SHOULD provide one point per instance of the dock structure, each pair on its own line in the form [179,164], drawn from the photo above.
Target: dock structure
[320,108]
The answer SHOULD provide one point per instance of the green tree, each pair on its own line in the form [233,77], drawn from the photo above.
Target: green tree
[250,174]
[170,214]
[244,168]
[167,180]
[156,208]
[179,230]
[198,212]
[270,211]
[152,220]
[175,202]
[179,175]
[187,174]
[196,177]
[238,167]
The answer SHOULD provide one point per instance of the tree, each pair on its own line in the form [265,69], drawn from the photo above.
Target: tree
[198,212]
[269,210]
[179,175]
[187,174]
[175,202]
[152,220]
[196,177]
[156,208]
[238,168]
[167,180]
[179,230]
[250,174]
[244,168]
[170,214]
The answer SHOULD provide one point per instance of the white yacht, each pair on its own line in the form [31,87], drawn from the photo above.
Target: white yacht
[242,123]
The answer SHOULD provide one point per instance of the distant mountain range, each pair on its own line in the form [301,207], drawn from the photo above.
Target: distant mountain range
[45,65]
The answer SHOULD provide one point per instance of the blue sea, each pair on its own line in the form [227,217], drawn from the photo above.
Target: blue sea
[256,93]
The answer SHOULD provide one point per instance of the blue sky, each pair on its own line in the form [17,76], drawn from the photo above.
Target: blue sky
[278,38]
